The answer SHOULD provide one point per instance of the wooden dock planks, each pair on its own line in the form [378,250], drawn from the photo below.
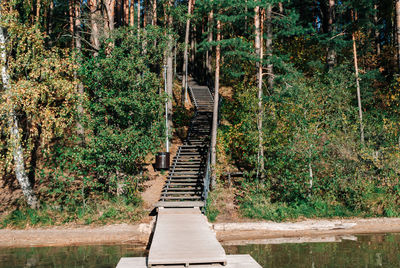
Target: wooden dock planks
[234,261]
[183,236]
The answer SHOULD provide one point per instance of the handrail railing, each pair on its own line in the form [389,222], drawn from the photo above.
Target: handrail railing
[172,173]
[207,176]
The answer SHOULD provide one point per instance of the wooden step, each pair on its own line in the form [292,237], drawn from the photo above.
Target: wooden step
[182,204]
[182,188]
[197,197]
[184,184]
[180,193]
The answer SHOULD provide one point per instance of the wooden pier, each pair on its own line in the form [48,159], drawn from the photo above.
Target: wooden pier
[233,261]
[182,236]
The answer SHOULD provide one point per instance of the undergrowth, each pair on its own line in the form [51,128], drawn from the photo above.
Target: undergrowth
[101,212]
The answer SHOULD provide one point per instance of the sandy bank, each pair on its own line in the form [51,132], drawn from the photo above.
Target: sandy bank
[228,233]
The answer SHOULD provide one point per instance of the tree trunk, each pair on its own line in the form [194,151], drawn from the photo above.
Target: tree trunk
[71,12]
[209,40]
[79,86]
[185,56]
[246,9]
[126,12]
[260,54]
[110,9]
[132,14]
[15,137]
[154,13]
[38,6]
[280,7]
[170,69]
[193,45]
[331,54]
[94,33]
[270,66]
[376,22]
[145,13]
[138,14]
[398,30]
[119,14]
[50,22]
[215,110]
[360,113]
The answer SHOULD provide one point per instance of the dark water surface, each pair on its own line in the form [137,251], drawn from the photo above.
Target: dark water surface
[381,250]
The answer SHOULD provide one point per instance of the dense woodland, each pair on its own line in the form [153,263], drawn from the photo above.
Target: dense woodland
[307,94]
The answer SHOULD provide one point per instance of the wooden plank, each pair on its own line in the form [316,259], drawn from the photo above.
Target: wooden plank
[184,238]
[233,261]
[186,204]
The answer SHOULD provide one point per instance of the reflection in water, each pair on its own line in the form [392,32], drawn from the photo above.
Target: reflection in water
[81,256]
[381,250]
[367,251]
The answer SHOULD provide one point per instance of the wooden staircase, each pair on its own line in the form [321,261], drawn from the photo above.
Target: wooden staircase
[187,182]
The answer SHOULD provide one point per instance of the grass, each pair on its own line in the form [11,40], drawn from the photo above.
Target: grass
[104,212]
[259,207]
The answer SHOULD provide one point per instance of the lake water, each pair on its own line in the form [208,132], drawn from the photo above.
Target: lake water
[378,250]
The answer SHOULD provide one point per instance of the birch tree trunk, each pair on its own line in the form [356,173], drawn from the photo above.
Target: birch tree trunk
[259,53]
[215,110]
[185,56]
[398,30]
[360,113]
[15,137]
[79,86]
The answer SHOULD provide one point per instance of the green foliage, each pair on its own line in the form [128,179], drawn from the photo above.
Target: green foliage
[211,209]
[310,125]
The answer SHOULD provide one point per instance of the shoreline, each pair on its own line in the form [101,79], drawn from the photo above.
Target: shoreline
[237,233]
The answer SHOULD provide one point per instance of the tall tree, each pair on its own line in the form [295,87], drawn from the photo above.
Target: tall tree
[15,137]
[154,13]
[79,86]
[331,54]
[268,45]
[209,40]
[376,30]
[94,24]
[126,12]
[110,9]
[214,129]
[398,30]
[132,13]
[258,44]
[185,53]
[169,62]
[138,14]
[360,113]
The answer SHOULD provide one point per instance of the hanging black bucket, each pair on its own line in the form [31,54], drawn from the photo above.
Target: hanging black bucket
[162,160]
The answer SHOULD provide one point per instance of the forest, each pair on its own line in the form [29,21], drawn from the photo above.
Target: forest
[308,105]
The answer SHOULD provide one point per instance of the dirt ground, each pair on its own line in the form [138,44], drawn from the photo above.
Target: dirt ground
[227,233]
